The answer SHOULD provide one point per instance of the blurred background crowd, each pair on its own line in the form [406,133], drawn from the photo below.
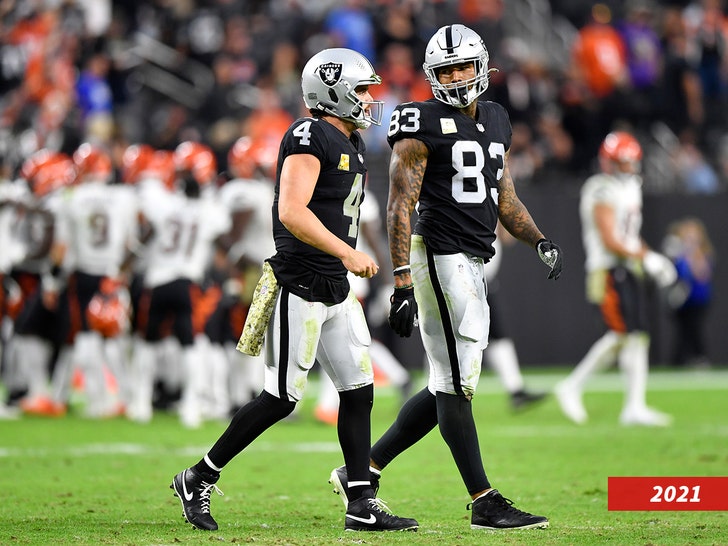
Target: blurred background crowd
[162,74]
[165,71]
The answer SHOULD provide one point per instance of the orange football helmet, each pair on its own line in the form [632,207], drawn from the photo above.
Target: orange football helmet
[47,172]
[621,147]
[109,309]
[198,159]
[135,161]
[250,158]
[92,163]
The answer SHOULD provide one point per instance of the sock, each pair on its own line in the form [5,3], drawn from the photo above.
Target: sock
[502,358]
[457,426]
[634,362]
[354,430]
[417,417]
[600,355]
[247,424]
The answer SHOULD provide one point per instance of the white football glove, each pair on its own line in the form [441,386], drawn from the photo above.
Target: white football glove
[659,268]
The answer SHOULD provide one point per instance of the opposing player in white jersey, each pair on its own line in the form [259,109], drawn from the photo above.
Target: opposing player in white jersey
[501,355]
[617,260]
[96,227]
[43,324]
[182,229]
[11,296]
[249,197]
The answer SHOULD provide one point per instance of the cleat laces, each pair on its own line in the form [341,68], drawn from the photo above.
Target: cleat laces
[504,503]
[205,493]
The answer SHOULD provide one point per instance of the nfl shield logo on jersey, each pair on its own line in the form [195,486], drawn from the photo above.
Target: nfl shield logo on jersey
[330,73]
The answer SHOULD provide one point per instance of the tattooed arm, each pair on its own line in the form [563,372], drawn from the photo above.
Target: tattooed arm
[406,169]
[513,214]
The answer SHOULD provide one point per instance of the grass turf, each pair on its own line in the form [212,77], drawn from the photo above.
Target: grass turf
[75,481]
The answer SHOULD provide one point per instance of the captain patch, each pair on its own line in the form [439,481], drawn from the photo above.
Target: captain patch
[447,125]
[344,162]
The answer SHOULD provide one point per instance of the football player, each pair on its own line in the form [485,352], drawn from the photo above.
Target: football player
[315,316]
[617,259]
[42,326]
[450,158]
[183,228]
[96,226]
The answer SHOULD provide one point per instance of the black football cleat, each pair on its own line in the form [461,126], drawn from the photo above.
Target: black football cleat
[194,494]
[523,399]
[494,511]
[340,481]
[369,514]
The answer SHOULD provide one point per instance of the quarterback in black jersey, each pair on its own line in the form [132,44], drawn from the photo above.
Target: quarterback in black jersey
[450,158]
[310,312]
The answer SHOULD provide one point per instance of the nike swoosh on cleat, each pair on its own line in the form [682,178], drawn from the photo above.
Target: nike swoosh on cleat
[188,496]
[370,521]
[404,303]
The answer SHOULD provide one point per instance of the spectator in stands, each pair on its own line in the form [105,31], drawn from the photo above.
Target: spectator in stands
[690,248]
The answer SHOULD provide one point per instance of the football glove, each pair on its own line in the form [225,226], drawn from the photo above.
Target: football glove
[403,311]
[659,268]
[551,255]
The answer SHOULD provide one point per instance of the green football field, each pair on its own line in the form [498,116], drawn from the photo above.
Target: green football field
[74,481]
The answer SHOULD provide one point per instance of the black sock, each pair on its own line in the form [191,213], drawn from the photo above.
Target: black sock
[247,424]
[457,426]
[354,429]
[417,417]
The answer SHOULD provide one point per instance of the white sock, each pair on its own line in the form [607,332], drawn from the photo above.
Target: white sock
[328,398]
[501,356]
[601,354]
[89,357]
[388,364]
[634,363]
[35,354]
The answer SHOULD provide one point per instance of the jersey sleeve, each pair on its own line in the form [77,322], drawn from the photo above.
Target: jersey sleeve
[411,120]
[305,136]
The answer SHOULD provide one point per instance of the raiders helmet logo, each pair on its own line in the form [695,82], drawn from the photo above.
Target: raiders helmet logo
[330,73]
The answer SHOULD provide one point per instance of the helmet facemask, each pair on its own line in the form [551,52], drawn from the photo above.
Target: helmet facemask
[329,83]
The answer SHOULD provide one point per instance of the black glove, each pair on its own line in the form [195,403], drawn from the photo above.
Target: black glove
[551,255]
[403,312]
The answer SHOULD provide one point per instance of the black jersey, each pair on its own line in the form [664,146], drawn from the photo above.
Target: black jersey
[458,202]
[303,269]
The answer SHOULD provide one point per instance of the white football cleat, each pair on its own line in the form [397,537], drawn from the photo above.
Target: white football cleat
[570,402]
[646,417]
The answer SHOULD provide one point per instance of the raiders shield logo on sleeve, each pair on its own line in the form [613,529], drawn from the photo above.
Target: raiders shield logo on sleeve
[330,73]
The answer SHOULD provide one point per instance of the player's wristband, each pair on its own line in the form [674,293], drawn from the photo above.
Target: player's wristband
[402,270]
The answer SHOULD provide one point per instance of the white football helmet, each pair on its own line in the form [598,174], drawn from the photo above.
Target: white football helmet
[456,44]
[329,81]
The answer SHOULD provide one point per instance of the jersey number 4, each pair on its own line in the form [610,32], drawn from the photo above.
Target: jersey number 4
[407,120]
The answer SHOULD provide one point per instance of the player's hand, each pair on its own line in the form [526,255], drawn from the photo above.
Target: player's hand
[551,255]
[659,268]
[360,264]
[403,311]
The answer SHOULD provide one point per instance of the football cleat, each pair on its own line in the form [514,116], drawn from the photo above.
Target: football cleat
[340,481]
[194,494]
[570,403]
[369,514]
[523,399]
[494,511]
[646,417]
